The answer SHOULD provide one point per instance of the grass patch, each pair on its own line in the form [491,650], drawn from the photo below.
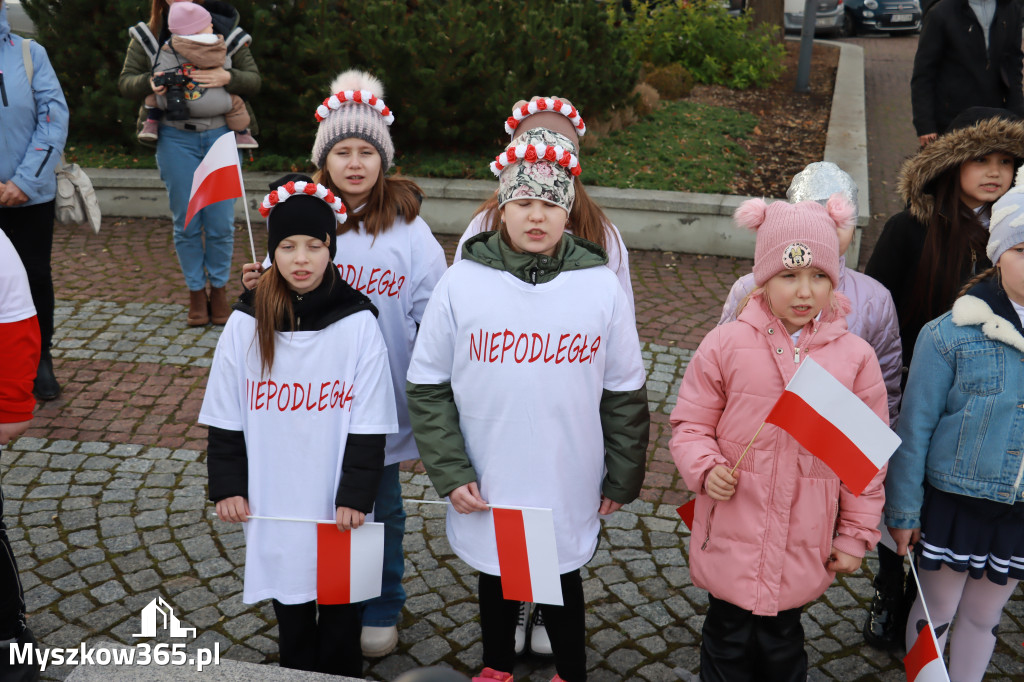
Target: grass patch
[682,146]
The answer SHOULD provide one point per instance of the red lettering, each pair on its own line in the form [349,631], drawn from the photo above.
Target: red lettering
[547,342]
[271,391]
[474,348]
[573,346]
[492,355]
[558,353]
[287,397]
[536,349]
[322,403]
[594,347]
[334,394]
[348,398]
[310,399]
[507,342]
[526,348]
[359,286]
[298,395]
[350,276]
[373,280]
[583,347]
[259,393]
[400,282]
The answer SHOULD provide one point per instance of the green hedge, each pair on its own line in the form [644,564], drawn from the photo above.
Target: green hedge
[451,68]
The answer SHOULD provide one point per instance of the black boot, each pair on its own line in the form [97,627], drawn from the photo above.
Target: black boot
[46,386]
[887,619]
[21,671]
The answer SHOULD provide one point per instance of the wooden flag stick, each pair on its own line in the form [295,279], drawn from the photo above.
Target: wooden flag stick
[746,449]
[248,223]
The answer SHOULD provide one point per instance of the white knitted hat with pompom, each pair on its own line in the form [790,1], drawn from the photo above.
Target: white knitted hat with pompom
[355,109]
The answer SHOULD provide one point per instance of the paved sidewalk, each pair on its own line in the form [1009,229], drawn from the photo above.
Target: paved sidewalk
[106,495]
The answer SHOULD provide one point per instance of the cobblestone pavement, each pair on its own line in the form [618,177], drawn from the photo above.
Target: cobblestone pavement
[106,494]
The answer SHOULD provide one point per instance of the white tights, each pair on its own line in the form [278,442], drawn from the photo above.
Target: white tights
[977,605]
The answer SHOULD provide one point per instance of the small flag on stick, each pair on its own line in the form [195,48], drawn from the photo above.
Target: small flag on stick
[349,565]
[922,662]
[218,177]
[834,425]
[527,555]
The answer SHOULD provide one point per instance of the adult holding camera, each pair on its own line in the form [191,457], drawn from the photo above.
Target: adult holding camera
[33,129]
[204,249]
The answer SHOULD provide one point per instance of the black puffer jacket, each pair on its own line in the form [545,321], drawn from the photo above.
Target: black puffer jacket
[954,71]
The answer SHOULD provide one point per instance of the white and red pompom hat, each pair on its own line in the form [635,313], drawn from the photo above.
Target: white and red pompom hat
[356,109]
[300,206]
[793,236]
[548,112]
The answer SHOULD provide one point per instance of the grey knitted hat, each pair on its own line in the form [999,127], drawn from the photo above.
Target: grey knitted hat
[1006,227]
[354,110]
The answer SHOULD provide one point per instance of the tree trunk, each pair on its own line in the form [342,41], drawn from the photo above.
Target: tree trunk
[768,12]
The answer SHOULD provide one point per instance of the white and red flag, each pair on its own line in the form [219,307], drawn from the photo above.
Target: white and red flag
[218,177]
[923,662]
[527,555]
[834,425]
[349,565]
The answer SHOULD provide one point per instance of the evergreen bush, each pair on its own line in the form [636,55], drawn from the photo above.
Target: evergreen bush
[701,35]
[451,68]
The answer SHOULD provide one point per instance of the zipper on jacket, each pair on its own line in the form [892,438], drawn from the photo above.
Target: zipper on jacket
[3,89]
[533,275]
[707,526]
[974,262]
[49,151]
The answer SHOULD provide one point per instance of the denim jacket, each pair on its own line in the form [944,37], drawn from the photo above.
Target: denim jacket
[962,421]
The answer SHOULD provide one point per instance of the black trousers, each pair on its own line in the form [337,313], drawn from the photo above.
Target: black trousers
[30,229]
[566,626]
[738,646]
[320,638]
[12,600]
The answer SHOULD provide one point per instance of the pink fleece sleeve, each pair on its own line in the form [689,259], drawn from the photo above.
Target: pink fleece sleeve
[859,515]
[694,419]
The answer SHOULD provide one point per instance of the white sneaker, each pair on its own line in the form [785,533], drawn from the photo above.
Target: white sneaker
[540,643]
[378,641]
[524,612]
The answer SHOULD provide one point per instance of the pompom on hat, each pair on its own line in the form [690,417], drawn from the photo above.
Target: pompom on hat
[537,165]
[1006,226]
[297,205]
[356,109]
[793,236]
[187,18]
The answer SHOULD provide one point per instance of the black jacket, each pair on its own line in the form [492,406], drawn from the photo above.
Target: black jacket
[953,71]
[362,468]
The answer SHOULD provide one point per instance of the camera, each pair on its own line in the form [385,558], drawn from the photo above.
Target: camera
[177,105]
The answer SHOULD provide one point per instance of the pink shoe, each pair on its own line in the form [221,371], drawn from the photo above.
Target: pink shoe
[556,678]
[489,674]
[244,140]
[150,131]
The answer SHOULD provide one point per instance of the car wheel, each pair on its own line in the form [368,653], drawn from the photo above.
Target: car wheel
[848,29]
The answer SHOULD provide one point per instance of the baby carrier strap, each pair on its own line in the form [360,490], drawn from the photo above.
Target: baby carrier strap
[236,40]
[141,33]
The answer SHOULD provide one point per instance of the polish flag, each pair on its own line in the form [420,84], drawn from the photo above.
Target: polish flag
[686,512]
[349,565]
[923,663]
[218,177]
[834,425]
[527,555]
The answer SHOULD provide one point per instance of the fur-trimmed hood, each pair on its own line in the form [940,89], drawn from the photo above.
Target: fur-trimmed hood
[986,306]
[949,151]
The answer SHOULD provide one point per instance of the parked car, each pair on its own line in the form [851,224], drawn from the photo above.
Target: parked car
[892,16]
[828,19]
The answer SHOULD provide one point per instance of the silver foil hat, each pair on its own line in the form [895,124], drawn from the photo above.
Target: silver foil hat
[820,180]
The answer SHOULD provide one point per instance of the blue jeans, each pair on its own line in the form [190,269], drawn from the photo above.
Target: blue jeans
[386,609]
[205,249]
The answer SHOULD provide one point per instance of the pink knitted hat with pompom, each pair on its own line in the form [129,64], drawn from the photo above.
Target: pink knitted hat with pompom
[792,236]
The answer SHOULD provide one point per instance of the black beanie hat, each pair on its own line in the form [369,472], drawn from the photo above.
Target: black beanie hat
[303,214]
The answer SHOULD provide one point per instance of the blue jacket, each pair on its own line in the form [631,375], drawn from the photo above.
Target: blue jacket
[962,421]
[32,129]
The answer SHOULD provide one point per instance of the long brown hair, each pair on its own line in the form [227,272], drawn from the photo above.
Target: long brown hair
[980,277]
[389,198]
[955,237]
[586,219]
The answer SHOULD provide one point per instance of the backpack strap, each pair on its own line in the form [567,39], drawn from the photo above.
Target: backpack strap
[26,56]
[141,33]
[236,40]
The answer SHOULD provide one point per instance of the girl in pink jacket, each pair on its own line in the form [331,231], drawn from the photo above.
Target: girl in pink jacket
[770,537]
